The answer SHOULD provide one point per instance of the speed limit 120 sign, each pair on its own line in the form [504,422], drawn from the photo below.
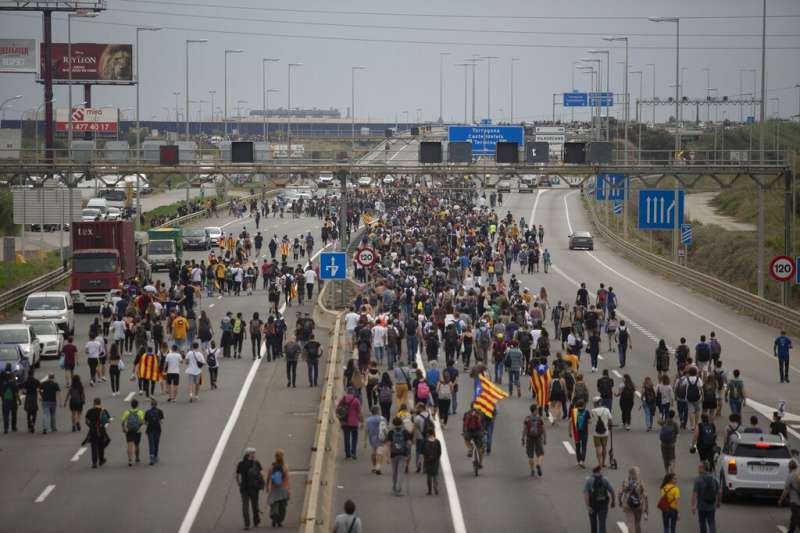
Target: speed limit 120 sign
[781,268]
[366,257]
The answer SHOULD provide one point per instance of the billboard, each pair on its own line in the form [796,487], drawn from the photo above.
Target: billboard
[99,120]
[91,62]
[18,55]
[484,139]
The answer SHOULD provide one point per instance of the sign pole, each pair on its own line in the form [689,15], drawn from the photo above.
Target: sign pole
[626,196]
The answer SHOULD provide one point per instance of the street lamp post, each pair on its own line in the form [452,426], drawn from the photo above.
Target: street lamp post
[626,113]
[70,16]
[595,107]
[707,70]
[513,60]
[441,84]
[591,72]
[264,89]
[8,100]
[289,111]
[473,62]
[606,53]
[176,94]
[225,81]
[138,125]
[489,85]
[466,98]
[188,116]
[353,108]
[211,94]
[653,66]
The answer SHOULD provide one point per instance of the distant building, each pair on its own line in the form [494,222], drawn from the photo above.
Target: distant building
[299,113]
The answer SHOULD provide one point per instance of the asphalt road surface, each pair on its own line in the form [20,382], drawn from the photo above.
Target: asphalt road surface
[52,488]
[504,497]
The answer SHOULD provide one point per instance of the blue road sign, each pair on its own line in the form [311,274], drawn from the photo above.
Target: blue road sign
[750,120]
[610,187]
[686,234]
[601,99]
[618,208]
[484,139]
[657,208]
[332,266]
[486,122]
[575,99]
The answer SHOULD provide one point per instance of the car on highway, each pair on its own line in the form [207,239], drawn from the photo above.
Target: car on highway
[90,215]
[23,336]
[196,239]
[581,239]
[527,183]
[50,337]
[325,178]
[388,180]
[364,182]
[545,181]
[214,234]
[113,213]
[753,464]
[504,185]
[11,354]
[52,305]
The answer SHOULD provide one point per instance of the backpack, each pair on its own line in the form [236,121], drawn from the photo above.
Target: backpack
[581,391]
[708,493]
[277,475]
[598,495]
[634,499]
[735,389]
[708,436]
[385,394]
[484,339]
[715,347]
[423,391]
[254,478]
[398,446]
[667,433]
[237,326]
[600,426]
[719,377]
[555,388]
[133,422]
[313,350]
[581,420]
[107,311]
[472,422]
[255,328]
[211,359]
[680,389]
[692,390]
[427,425]
[535,427]
[702,352]
[383,430]
[604,387]
[342,410]
[649,395]
[411,327]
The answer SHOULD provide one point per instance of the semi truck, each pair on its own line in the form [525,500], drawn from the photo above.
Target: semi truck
[103,256]
[164,246]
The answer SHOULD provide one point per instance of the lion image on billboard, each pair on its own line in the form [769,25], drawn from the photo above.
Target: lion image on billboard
[115,63]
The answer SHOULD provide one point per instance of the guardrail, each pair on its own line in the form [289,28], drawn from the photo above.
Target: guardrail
[761,309]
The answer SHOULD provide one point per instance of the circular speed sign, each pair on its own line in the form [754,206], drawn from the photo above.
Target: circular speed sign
[781,268]
[366,257]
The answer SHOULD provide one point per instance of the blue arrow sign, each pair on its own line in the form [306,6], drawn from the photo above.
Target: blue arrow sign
[332,266]
[484,139]
[657,208]
[610,187]
[686,234]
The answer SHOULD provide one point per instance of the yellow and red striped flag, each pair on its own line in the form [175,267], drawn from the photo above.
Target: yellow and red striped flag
[487,394]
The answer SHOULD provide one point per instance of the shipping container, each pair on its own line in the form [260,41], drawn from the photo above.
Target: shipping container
[103,256]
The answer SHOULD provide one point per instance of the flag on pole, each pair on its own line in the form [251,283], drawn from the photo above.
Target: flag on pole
[487,394]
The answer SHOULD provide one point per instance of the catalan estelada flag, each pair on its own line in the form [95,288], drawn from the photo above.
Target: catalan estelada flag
[487,394]
[540,381]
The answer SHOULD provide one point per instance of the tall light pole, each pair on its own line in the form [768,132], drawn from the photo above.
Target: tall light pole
[138,125]
[353,107]
[211,94]
[264,90]
[200,113]
[473,61]
[626,113]
[489,86]
[176,94]
[797,86]
[289,111]
[707,70]
[239,115]
[513,60]
[70,16]
[591,72]
[466,98]
[596,108]
[606,53]
[442,55]
[575,65]
[653,66]
[225,90]
[188,42]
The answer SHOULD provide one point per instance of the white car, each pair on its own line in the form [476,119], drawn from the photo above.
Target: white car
[388,179]
[113,213]
[364,182]
[53,305]
[90,215]
[50,337]
[23,336]
[753,464]
[325,178]
[215,234]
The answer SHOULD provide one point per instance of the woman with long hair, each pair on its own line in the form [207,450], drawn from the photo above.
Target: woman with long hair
[633,500]
[668,502]
[627,394]
[278,489]
[76,398]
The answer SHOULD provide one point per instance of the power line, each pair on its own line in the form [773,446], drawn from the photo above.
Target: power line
[449,15]
[460,30]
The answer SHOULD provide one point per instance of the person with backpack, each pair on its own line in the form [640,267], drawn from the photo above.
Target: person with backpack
[702,357]
[714,347]
[445,392]
[624,342]
[399,439]
[598,495]
[195,361]
[483,341]
[601,427]
[255,336]
[668,435]
[278,492]
[423,421]
[633,500]
[348,412]
[376,434]
[97,419]
[534,439]
[292,351]
[473,430]
[132,422]
[605,387]
[705,498]
[579,418]
[694,396]
[154,418]
[212,362]
[791,491]
[432,454]
[670,495]
[627,396]
[513,363]
[705,441]
[735,394]
[250,478]
[649,402]
[347,522]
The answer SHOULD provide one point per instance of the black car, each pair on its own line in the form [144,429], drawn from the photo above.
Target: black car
[581,239]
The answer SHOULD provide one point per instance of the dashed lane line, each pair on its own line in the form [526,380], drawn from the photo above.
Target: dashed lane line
[568,446]
[622,527]
[616,373]
[130,395]
[45,493]
[77,456]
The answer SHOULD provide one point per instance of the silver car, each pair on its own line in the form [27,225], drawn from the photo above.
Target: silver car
[753,464]
[50,337]
[214,234]
[23,336]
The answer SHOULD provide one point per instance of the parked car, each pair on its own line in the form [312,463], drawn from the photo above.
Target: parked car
[214,234]
[197,239]
[581,239]
[504,185]
[753,464]
[23,336]
[53,305]
[50,337]
[12,354]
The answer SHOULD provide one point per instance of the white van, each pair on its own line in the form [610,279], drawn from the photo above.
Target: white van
[101,204]
[52,305]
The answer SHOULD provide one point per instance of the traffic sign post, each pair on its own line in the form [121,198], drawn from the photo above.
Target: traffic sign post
[610,187]
[686,234]
[366,257]
[797,270]
[782,268]
[333,266]
[618,208]
[657,209]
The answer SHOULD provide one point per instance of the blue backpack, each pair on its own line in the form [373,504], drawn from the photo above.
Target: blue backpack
[277,475]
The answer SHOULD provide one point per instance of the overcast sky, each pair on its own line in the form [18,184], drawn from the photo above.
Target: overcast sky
[400,43]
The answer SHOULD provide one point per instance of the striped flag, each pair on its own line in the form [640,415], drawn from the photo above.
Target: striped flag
[487,394]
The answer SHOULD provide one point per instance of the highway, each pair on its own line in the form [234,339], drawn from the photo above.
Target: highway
[55,490]
[504,496]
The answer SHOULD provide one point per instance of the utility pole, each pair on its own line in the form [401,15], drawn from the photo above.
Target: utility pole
[265,89]
[761,230]
[514,60]
[441,84]
[466,81]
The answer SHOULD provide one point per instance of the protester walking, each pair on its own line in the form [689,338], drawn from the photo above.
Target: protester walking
[132,422]
[278,492]
[97,420]
[154,418]
[250,478]
[633,500]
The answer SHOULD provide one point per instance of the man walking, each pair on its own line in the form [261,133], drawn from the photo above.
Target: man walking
[51,397]
[311,279]
[154,418]
[705,499]
[132,421]
[292,352]
[792,492]
[312,351]
[598,494]
[96,420]
[172,365]
[781,349]
[250,478]
[348,411]
[399,451]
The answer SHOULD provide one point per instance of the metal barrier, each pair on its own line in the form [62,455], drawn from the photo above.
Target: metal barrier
[761,309]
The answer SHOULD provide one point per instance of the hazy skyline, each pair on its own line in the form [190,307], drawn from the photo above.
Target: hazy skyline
[400,45]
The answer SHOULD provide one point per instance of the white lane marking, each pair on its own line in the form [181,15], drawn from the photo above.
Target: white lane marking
[616,373]
[622,527]
[77,456]
[568,446]
[45,493]
[782,529]
[222,443]
[129,396]
[638,394]
[796,426]
[457,516]
[219,297]
[211,305]
[682,307]
[400,150]
[600,357]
